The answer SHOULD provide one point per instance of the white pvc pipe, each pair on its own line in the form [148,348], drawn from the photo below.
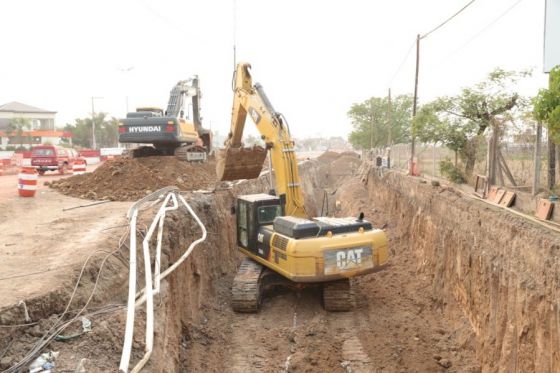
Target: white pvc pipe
[151,288]
[192,245]
[185,255]
[129,329]
[158,220]
[157,277]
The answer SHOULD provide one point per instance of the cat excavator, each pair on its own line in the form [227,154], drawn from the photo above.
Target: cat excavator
[281,243]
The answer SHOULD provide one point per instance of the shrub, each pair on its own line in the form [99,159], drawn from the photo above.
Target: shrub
[449,171]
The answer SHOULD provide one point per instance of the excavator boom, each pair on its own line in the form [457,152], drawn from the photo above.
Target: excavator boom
[235,162]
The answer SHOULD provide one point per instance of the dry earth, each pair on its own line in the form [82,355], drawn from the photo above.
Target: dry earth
[397,324]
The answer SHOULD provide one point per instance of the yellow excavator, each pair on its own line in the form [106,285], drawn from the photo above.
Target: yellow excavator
[282,245]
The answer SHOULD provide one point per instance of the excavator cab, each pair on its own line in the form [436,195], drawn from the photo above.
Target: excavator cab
[254,211]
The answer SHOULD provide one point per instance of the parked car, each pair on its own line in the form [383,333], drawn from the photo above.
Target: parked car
[52,158]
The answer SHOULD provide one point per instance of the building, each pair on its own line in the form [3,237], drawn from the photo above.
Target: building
[41,129]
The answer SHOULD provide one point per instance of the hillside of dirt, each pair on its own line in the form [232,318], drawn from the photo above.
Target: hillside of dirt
[129,179]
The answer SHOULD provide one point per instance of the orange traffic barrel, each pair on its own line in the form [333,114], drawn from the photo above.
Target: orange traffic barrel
[79,166]
[27,182]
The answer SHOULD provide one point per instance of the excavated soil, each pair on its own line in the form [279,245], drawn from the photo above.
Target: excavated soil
[447,302]
[396,326]
[129,179]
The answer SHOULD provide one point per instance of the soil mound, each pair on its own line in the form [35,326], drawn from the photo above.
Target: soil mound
[350,154]
[328,156]
[128,179]
[346,163]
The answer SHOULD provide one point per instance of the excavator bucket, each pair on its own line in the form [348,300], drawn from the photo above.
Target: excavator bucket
[239,163]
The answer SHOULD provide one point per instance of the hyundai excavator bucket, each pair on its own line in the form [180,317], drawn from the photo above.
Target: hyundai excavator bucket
[239,163]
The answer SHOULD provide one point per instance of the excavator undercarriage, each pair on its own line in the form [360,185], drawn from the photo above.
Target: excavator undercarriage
[253,280]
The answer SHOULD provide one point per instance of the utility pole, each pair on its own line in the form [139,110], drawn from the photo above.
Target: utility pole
[124,70]
[371,126]
[537,173]
[93,143]
[389,118]
[414,103]
[389,128]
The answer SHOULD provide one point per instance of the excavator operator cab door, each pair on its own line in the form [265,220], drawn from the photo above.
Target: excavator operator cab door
[253,211]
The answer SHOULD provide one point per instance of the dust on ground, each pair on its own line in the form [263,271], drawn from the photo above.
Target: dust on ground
[129,179]
[396,325]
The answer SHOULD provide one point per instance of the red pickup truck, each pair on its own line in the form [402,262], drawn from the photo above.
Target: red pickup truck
[52,158]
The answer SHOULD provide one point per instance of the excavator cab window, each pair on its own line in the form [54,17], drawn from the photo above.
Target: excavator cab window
[266,214]
[253,211]
[242,236]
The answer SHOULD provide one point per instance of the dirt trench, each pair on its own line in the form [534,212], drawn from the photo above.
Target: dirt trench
[501,269]
[406,318]
[397,325]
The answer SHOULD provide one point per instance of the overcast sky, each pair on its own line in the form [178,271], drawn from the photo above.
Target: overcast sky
[314,58]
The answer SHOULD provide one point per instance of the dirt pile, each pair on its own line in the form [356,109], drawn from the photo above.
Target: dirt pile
[129,179]
[328,156]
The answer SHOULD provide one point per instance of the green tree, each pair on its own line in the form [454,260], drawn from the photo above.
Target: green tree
[547,104]
[106,131]
[460,122]
[17,126]
[369,120]
[547,109]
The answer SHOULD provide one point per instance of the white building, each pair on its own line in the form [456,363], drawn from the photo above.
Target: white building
[41,126]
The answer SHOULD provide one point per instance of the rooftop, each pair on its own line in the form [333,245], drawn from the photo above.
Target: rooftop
[18,107]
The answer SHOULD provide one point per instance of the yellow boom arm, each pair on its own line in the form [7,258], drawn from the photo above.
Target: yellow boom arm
[236,162]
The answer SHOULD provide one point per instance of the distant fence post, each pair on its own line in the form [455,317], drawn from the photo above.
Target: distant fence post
[434,160]
[537,158]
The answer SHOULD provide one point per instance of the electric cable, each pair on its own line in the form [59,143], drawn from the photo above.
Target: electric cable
[447,20]
[57,327]
[480,32]
[401,64]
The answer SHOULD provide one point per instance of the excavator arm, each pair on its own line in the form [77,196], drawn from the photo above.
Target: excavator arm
[236,162]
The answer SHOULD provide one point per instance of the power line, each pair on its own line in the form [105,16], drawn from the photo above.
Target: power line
[483,30]
[448,19]
[402,63]
[424,36]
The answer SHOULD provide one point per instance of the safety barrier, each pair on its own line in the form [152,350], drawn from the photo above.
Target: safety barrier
[27,182]
[171,199]
[79,166]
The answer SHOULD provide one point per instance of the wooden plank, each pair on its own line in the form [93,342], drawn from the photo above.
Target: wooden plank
[499,195]
[480,179]
[492,193]
[544,209]
[507,199]
[506,168]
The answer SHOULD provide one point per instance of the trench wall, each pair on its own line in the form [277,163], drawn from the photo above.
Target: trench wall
[201,286]
[501,269]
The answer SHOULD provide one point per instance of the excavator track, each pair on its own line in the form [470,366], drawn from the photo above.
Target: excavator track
[337,296]
[246,292]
